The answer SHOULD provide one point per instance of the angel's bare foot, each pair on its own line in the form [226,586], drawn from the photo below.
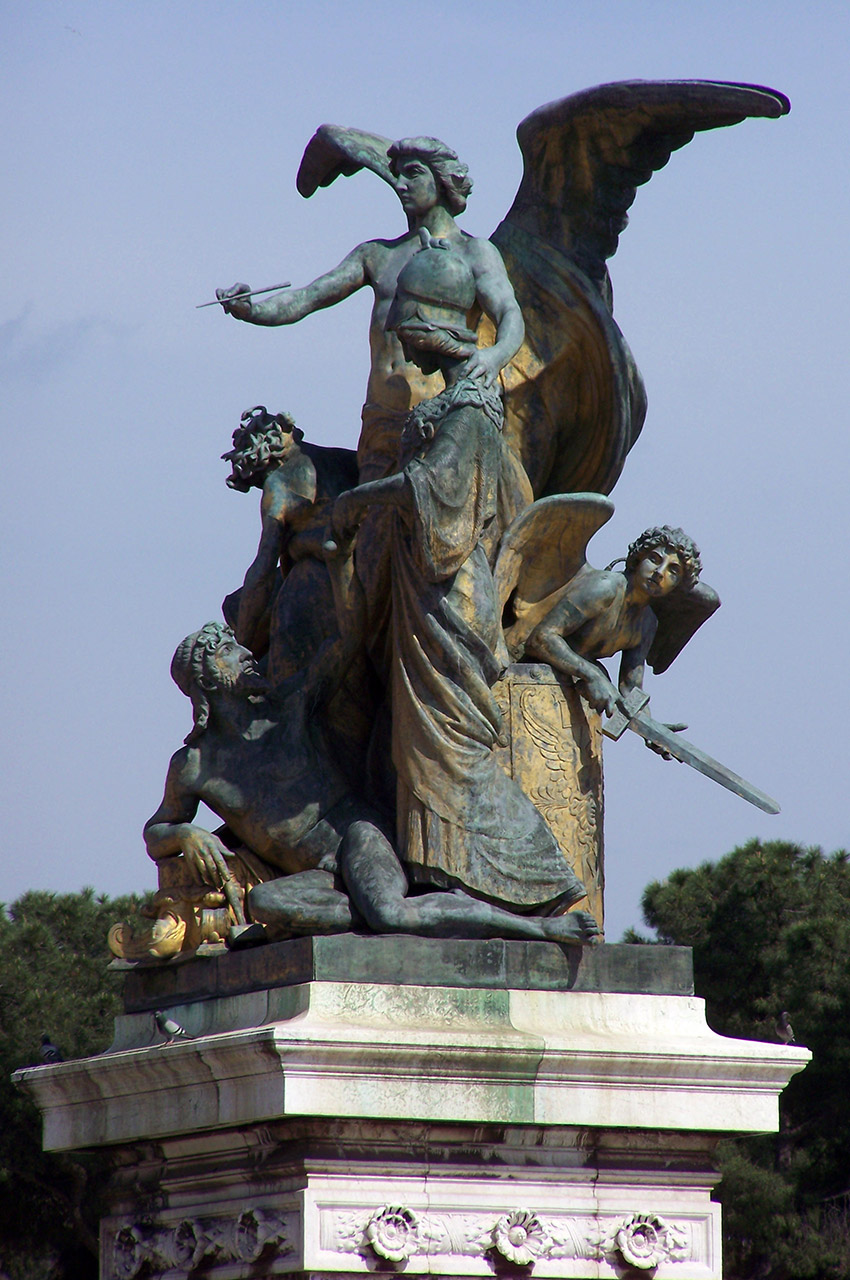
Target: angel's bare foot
[576,927]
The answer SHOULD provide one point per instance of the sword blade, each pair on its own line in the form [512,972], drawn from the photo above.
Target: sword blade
[660,736]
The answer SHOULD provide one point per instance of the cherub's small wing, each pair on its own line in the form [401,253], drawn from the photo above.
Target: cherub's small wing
[574,399]
[540,553]
[334,152]
[680,615]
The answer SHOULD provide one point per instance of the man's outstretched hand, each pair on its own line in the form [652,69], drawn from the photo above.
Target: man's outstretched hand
[240,308]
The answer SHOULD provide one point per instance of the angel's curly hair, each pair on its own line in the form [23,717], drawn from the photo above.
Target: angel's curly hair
[451,173]
[677,540]
[260,441]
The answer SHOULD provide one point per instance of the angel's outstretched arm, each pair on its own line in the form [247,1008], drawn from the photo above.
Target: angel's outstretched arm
[632,669]
[633,661]
[294,304]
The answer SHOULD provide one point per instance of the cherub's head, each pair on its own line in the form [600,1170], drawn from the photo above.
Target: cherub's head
[664,559]
[212,661]
[260,444]
[451,177]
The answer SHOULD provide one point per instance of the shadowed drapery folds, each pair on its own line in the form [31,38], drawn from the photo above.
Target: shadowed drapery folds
[461,820]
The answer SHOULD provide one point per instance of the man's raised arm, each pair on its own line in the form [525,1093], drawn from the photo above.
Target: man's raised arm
[294,304]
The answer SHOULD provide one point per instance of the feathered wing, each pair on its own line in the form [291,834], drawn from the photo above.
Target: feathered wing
[574,397]
[335,152]
[680,615]
[540,553]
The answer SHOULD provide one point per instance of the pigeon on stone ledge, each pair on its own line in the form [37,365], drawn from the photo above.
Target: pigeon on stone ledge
[784,1030]
[170,1029]
[50,1053]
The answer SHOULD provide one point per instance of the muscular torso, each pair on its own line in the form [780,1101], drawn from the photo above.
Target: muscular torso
[393,383]
[271,791]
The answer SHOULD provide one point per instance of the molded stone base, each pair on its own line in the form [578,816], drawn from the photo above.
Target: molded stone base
[334,1128]
[400,960]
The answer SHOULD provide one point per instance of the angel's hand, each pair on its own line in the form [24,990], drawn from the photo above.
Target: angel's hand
[600,693]
[234,306]
[483,365]
[660,751]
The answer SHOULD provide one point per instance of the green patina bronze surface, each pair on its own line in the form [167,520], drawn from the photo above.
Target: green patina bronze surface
[349,728]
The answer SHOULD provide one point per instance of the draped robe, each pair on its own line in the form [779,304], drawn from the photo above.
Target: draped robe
[462,822]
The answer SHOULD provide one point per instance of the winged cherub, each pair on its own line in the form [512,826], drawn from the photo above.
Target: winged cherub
[561,610]
[574,399]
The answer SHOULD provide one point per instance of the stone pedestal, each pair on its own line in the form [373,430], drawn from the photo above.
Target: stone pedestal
[474,1108]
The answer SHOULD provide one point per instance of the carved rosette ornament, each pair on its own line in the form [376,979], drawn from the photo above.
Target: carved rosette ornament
[391,1231]
[521,1238]
[646,1241]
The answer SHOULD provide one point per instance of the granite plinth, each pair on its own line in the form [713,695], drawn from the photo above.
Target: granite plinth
[401,960]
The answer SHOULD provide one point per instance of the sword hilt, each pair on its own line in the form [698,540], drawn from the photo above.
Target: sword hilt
[615,725]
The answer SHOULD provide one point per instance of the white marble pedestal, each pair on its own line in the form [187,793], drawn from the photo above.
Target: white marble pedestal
[333,1127]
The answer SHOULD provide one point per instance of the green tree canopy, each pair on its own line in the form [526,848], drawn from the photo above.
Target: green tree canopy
[770,928]
[53,979]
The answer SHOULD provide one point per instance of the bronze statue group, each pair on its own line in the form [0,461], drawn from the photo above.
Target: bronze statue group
[345,729]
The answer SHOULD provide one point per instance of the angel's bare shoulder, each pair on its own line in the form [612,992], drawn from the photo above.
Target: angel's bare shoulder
[590,593]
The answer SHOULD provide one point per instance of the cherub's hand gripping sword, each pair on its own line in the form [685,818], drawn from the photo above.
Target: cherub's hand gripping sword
[630,714]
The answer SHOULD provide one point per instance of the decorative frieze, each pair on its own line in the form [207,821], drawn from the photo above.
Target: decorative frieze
[148,1248]
[521,1236]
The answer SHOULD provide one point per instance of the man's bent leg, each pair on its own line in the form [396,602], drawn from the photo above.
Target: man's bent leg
[306,902]
[375,878]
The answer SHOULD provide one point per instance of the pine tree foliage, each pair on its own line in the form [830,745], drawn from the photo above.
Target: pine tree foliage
[770,928]
[53,979]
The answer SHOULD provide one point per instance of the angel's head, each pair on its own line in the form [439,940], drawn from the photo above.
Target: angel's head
[426,170]
[662,559]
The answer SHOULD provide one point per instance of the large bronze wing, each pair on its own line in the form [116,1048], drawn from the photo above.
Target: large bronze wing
[574,397]
[680,615]
[539,555]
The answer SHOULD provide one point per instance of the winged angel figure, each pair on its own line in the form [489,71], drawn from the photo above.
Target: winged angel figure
[558,609]
[575,401]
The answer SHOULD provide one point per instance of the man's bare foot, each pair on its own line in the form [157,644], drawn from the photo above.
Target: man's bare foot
[576,928]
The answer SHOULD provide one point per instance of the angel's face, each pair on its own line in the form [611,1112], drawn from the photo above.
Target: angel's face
[659,572]
[416,187]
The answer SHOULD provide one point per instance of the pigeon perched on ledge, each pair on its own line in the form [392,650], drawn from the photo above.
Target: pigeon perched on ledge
[171,1029]
[50,1053]
[784,1030]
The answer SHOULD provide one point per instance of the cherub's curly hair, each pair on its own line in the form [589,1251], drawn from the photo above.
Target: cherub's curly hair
[261,440]
[677,540]
[451,173]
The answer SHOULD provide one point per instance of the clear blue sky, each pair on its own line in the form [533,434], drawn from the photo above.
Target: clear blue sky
[149,153]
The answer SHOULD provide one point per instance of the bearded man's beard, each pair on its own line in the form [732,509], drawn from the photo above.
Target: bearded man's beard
[248,682]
